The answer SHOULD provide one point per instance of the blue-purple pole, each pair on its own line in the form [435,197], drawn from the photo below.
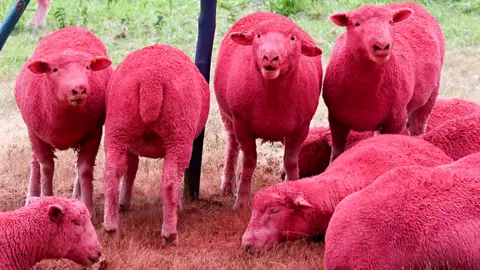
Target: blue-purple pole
[11,20]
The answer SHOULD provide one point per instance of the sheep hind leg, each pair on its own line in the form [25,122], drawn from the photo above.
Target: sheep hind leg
[417,121]
[293,144]
[339,138]
[231,159]
[128,179]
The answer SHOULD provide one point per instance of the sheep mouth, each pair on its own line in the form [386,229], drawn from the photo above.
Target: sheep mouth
[380,57]
[77,101]
[270,72]
[92,260]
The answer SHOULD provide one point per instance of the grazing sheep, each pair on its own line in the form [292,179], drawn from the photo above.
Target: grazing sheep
[457,138]
[267,83]
[61,95]
[384,71]
[40,17]
[290,210]
[157,104]
[48,228]
[410,218]
[315,153]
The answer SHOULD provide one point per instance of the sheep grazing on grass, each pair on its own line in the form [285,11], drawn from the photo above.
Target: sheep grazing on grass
[315,153]
[61,95]
[267,83]
[384,71]
[457,138]
[410,218]
[290,210]
[157,104]
[48,228]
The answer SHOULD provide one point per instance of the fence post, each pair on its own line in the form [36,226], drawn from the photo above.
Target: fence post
[203,57]
[11,20]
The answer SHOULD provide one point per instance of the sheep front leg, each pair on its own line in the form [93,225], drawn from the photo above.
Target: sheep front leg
[85,163]
[42,168]
[128,179]
[172,176]
[339,137]
[293,144]
[115,168]
[231,159]
[246,140]
[34,182]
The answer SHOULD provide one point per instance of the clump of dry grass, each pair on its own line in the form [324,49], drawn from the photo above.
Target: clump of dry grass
[210,231]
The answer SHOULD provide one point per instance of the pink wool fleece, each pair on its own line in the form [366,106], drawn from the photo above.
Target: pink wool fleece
[315,153]
[268,78]
[295,209]
[157,104]
[61,95]
[410,218]
[48,228]
[384,71]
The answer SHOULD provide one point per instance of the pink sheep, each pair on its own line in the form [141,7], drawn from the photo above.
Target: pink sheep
[40,17]
[315,153]
[457,138]
[157,104]
[267,83]
[384,71]
[48,228]
[410,218]
[291,210]
[61,95]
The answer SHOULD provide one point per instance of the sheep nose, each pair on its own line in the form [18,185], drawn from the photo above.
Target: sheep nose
[270,57]
[381,46]
[82,91]
[248,248]
[99,254]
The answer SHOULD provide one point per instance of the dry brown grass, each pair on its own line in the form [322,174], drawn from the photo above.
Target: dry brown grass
[210,231]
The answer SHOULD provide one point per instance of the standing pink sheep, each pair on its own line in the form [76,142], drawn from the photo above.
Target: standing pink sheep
[410,218]
[157,104]
[315,153]
[48,228]
[40,17]
[61,95]
[295,209]
[384,72]
[267,84]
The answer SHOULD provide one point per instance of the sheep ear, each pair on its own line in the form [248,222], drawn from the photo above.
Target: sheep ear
[402,14]
[300,202]
[38,66]
[56,213]
[311,50]
[339,18]
[99,63]
[244,38]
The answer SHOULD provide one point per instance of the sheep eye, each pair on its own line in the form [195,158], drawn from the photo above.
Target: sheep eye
[274,211]
[88,67]
[292,38]
[258,36]
[78,223]
[55,70]
[357,24]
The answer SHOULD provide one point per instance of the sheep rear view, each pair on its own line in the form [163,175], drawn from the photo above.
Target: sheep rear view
[48,228]
[384,72]
[157,104]
[267,83]
[61,95]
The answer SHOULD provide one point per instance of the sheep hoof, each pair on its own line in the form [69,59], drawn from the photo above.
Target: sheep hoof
[110,228]
[124,207]
[171,239]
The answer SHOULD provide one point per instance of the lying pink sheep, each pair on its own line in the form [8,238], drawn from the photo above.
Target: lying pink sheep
[457,138]
[383,71]
[267,83]
[61,95]
[48,228]
[291,210]
[428,218]
[315,153]
[157,104]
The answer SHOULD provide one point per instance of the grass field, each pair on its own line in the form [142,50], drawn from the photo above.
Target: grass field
[209,230]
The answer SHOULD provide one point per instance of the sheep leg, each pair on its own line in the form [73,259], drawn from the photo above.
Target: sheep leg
[85,163]
[293,144]
[172,175]
[40,17]
[417,121]
[115,168]
[231,159]
[128,179]
[339,138]
[34,183]
[44,154]
[246,140]
[77,189]
[395,125]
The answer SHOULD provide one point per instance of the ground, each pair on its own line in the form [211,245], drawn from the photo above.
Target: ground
[210,231]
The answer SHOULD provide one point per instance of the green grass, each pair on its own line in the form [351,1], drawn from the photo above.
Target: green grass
[126,25]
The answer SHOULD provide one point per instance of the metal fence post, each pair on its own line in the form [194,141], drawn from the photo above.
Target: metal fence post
[11,20]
